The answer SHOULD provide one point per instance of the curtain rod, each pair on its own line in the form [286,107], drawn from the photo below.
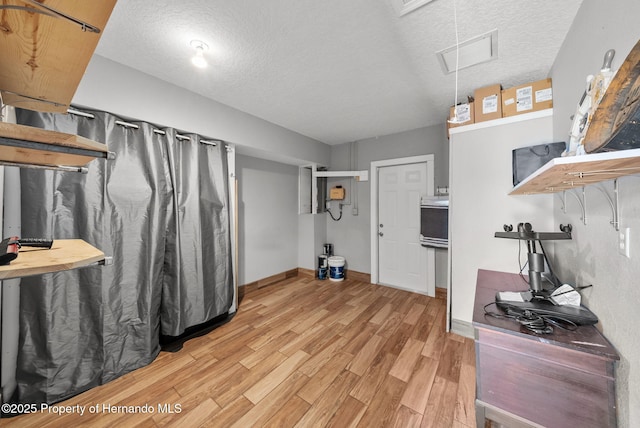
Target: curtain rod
[127,124]
[134,126]
[80,113]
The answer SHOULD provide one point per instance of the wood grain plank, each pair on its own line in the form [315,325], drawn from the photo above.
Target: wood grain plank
[370,382]
[435,340]
[357,338]
[273,401]
[302,340]
[44,58]
[403,367]
[414,313]
[310,320]
[64,254]
[390,325]
[382,314]
[230,414]
[317,361]
[382,410]
[416,395]
[351,314]
[202,413]
[398,339]
[465,412]
[451,359]
[265,352]
[348,414]
[327,404]
[426,322]
[313,385]
[193,378]
[407,418]
[362,360]
[440,407]
[321,380]
[225,393]
[268,383]
[289,414]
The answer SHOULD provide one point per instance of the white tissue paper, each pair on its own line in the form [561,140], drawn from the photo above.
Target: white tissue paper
[566,295]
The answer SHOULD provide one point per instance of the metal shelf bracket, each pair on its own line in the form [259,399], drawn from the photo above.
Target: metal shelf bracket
[581,200]
[613,203]
[49,11]
[613,200]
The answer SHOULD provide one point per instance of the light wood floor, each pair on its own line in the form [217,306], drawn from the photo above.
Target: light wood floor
[302,353]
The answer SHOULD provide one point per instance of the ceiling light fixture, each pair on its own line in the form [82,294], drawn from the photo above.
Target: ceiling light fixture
[198,59]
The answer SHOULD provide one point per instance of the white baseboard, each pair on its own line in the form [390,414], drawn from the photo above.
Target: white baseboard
[463,328]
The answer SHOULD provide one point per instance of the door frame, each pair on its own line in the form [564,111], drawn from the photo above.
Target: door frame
[373,177]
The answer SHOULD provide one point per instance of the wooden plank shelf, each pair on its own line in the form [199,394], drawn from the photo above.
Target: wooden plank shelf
[565,173]
[45,56]
[27,145]
[64,254]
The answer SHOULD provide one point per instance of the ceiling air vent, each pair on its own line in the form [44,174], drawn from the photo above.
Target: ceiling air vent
[474,51]
[403,7]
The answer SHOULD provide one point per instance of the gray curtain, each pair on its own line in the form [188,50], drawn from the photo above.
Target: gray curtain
[199,246]
[160,209]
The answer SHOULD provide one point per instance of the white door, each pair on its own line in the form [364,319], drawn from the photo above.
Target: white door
[402,261]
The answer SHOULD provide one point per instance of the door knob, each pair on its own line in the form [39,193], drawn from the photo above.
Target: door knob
[381,224]
[380,233]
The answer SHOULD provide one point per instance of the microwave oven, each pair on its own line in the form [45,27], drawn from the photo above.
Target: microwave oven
[434,221]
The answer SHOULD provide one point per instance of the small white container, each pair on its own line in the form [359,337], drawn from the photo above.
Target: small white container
[336,268]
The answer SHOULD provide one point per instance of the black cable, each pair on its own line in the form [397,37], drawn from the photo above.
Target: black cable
[332,217]
[554,277]
[530,319]
[522,267]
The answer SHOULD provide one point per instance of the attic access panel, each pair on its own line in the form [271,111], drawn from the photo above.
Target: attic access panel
[403,7]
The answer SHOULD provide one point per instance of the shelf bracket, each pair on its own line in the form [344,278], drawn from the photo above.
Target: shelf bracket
[36,145]
[613,203]
[582,201]
[563,200]
[358,175]
[49,11]
[64,168]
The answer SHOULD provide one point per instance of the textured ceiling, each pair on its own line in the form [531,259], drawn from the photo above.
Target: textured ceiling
[334,70]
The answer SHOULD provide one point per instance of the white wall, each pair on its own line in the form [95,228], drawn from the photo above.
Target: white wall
[593,257]
[121,90]
[268,218]
[312,235]
[351,235]
[480,204]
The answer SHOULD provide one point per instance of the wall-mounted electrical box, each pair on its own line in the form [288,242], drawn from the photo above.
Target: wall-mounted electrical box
[336,193]
[312,187]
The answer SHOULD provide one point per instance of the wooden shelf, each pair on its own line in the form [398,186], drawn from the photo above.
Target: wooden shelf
[502,121]
[65,254]
[45,56]
[34,146]
[566,173]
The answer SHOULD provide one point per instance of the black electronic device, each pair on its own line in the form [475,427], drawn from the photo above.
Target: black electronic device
[545,308]
[538,299]
[9,247]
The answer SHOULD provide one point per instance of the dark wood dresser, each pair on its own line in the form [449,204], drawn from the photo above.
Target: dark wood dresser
[563,379]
